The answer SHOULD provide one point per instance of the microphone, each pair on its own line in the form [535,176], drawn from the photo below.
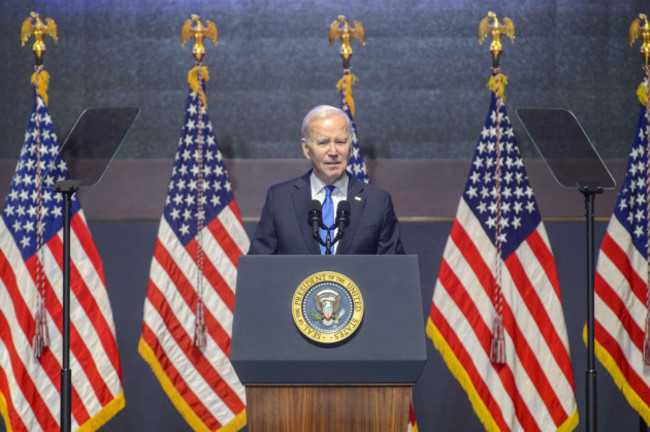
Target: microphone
[315,216]
[342,216]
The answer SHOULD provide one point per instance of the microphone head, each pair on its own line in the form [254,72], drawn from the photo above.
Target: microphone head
[344,206]
[343,212]
[315,206]
[315,212]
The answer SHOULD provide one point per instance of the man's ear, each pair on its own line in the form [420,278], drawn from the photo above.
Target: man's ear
[305,148]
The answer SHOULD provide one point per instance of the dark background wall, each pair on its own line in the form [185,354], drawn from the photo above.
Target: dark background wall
[421,103]
[422,72]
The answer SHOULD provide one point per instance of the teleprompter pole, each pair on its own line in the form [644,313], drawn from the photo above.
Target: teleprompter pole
[589,190]
[66,188]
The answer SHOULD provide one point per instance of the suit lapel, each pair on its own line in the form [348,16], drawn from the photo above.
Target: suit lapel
[357,202]
[301,196]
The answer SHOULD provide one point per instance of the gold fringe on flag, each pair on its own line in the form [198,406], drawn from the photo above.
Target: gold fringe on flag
[457,369]
[108,412]
[350,80]
[178,400]
[503,82]
[633,398]
[43,83]
[642,94]
[193,80]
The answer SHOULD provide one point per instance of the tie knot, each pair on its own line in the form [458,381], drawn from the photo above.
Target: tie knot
[329,190]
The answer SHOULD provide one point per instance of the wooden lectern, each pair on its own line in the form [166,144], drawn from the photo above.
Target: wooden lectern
[295,384]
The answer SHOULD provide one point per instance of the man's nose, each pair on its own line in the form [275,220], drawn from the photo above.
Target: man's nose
[331,149]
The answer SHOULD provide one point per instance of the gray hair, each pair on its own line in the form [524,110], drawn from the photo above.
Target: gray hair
[322,111]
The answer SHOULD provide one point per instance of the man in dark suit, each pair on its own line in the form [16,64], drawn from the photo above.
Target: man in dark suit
[284,228]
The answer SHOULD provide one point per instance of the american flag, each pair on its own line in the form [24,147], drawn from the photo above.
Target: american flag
[412,425]
[621,282]
[194,265]
[356,165]
[31,262]
[533,389]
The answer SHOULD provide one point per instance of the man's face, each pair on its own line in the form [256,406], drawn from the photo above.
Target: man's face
[328,147]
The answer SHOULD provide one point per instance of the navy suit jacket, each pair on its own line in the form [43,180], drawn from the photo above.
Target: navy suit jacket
[284,228]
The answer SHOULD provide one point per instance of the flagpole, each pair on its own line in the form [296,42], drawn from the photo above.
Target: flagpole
[193,28]
[341,28]
[497,85]
[38,27]
[640,27]
[66,188]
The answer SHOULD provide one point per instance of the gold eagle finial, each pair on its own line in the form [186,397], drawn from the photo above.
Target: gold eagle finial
[496,30]
[641,27]
[34,26]
[344,31]
[198,31]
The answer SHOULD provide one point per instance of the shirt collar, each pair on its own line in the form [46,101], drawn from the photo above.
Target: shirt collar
[317,185]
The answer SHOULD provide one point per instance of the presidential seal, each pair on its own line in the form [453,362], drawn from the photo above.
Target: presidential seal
[327,307]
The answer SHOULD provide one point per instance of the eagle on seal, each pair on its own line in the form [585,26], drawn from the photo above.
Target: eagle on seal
[328,303]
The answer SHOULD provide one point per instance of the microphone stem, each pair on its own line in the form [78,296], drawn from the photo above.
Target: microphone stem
[328,243]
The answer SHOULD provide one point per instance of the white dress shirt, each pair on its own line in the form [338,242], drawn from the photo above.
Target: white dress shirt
[339,194]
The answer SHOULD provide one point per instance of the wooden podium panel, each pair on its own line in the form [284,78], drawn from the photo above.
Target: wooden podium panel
[341,408]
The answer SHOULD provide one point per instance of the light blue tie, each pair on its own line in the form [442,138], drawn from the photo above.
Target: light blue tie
[328,215]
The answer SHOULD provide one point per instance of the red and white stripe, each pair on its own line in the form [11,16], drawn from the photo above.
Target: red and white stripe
[534,390]
[206,389]
[620,314]
[412,425]
[31,386]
